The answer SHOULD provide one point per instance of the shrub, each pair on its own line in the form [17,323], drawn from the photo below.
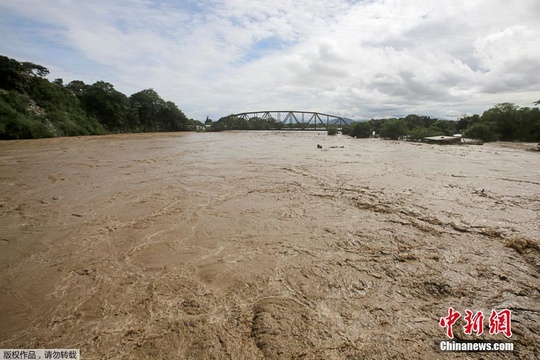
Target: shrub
[361,130]
[483,131]
[394,129]
[419,133]
[332,130]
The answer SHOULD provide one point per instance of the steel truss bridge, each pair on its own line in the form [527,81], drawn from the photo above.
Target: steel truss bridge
[289,120]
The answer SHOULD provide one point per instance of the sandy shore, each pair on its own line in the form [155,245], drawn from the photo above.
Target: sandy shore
[257,245]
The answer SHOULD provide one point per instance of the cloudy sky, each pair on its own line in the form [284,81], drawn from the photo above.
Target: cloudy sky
[358,59]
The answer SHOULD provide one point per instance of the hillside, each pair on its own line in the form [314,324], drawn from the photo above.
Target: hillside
[33,107]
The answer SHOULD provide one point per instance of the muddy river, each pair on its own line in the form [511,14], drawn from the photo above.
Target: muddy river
[252,245]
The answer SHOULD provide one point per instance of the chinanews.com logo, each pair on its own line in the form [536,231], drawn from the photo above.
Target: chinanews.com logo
[500,322]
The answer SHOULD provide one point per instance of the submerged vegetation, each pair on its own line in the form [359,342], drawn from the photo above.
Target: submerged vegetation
[505,122]
[332,130]
[33,107]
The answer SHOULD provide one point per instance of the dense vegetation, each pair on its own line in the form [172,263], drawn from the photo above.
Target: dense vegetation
[505,122]
[33,107]
[232,122]
[332,130]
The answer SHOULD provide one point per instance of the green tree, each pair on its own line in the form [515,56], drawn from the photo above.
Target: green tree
[16,122]
[35,69]
[394,129]
[172,118]
[361,130]
[146,105]
[34,107]
[11,74]
[332,130]
[31,106]
[466,121]
[529,124]
[77,86]
[414,121]
[504,117]
[48,95]
[376,124]
[108,105]
[419,133]
[443,127]
[483,131]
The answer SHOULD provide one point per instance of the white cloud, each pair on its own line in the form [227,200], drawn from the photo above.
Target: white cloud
[357,59]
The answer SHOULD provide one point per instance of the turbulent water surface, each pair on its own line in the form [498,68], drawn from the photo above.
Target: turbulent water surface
[259,245]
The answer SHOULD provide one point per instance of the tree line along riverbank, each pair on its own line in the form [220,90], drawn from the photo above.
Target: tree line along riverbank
[31,106]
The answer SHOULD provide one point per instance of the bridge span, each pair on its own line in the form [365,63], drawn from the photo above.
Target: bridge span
[285,119]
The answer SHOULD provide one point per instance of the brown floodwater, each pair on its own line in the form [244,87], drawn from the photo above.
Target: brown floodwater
[251,245]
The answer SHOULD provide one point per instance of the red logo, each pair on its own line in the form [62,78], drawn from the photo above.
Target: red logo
[449,321]
[475,323]
[499,322]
